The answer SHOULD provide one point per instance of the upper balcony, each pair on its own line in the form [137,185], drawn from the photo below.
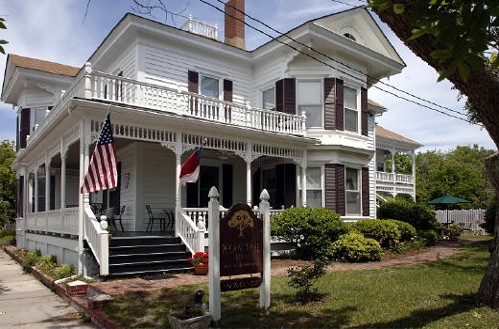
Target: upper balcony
[394,183]
[94,85]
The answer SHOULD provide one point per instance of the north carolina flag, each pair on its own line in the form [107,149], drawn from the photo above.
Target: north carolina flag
[189,172]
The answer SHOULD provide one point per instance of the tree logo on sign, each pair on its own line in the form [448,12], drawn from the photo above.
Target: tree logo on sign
[241,220]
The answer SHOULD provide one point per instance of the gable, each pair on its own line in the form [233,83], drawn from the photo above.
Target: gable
[359,24]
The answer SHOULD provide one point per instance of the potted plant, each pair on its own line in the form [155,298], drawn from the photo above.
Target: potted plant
[193,316]
[200,262]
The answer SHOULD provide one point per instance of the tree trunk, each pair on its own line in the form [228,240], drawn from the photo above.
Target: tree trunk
[489,288]
[482,89]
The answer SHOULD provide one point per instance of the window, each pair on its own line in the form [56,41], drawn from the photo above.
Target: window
[38,117]
[210,87]
[314,187]
[349,36]
[268,101]
[351,112]
[309,100]
[352,191]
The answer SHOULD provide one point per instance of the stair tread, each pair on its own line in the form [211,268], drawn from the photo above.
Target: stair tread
[151,254]
[151,262]
[153,271]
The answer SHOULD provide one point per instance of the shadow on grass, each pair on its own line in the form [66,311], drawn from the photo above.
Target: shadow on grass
[421,318]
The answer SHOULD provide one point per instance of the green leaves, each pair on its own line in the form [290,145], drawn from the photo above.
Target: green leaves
[2,42]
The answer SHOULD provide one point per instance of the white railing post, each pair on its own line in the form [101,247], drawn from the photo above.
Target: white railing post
[201,230]
[215,304]
[265,286]
[88,80]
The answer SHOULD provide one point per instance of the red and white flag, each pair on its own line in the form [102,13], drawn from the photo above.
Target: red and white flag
[102,172]
[189,172]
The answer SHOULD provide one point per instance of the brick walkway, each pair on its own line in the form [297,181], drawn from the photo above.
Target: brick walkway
[119,287]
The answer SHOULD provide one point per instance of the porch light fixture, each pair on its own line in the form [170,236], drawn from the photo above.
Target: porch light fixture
[126,179]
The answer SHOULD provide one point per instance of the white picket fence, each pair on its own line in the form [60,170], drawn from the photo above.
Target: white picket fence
[468,219]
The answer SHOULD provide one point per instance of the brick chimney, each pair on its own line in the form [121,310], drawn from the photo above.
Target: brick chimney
[234,23]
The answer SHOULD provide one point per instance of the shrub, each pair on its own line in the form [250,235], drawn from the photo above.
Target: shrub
[303,278]
[354,247]
[453,231]
[407,231]
[8,240]
[386,232]
[7,232]
[430,237]
[63,271]
[419,215]
[313,230]
[46,264]
[30,260]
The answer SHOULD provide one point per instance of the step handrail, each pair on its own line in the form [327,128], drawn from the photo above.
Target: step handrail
[191,234]
[97,239]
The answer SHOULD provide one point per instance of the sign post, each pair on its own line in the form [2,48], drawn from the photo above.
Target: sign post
[215,303]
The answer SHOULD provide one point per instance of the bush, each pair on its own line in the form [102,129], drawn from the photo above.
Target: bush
[46,264]
[386,232]
[8,240]
[407,231]
[430,237]
[313,230]
[453,231]
[303,278]
[7,232]
[354,247]
[419,215]
[30,260]
[63,271]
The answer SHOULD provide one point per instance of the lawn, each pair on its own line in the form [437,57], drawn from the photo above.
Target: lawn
[433,295]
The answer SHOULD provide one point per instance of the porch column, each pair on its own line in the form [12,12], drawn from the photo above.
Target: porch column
[85,141]
[413,157]
[247,159]
[35,188]
[304,186]
[63,178]
[47,185]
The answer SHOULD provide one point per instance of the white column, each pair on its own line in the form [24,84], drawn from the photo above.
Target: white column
[247,158]
[214,302]
[35,188]
[47,185]
[63,179]
[85,138]
[304,186]
[265,286]
[178,190]
[413,157]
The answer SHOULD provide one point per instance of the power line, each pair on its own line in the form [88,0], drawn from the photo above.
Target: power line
[337,61]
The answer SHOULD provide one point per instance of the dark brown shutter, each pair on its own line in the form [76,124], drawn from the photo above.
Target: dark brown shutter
[333,104]
[193,87]
[20,197]
[227,185]
[335,188]
[340,110]
[18,133]
[228,98]
[365,191]
[25,127]
[363,109]
[285,95]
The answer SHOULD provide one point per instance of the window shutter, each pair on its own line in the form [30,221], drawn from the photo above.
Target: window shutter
[333,104]
[193,87]
[285,95]
[227,185]
[364,114]
[365,192]
[24,128]
[335,188]
[20,197]
[228,98]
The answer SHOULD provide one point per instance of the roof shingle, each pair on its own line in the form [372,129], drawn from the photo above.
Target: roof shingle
[41,65]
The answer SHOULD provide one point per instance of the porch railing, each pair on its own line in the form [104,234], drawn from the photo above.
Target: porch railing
[387,177]
[201,28]
[61,221]
[132,92]
[191,233]
[97,239]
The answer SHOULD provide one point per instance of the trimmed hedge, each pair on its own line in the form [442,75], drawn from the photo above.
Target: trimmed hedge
[354,247]
[312,230]
[386,232]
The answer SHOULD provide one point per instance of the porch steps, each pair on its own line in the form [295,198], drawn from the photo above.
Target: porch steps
[147,255]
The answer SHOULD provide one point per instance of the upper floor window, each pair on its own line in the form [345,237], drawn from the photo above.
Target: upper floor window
[352,191]
[351,111]
[38,117]
[268,98]
[309,100]
[209,87]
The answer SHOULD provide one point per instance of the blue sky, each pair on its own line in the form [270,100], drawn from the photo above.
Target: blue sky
[57,30]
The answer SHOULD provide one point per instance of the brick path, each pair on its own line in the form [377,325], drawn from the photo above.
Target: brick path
[119,287]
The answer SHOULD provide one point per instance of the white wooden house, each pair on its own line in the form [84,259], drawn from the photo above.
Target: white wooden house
[270,118]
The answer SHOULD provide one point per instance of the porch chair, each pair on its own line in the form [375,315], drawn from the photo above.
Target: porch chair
[150,224]
[170,215]
[111,214]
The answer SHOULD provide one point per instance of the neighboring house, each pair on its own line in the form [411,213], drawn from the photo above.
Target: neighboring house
[269,118]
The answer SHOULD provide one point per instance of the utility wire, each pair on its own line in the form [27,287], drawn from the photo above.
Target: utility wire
[341,63]
[335,60]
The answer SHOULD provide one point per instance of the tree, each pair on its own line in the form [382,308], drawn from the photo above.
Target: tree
[460,172]
[2,42]
[7,182]
[459,40]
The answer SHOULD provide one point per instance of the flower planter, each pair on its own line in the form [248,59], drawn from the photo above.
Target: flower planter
[199,322]
[201,269]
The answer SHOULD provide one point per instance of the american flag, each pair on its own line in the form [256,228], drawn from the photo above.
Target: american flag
[189,172]
[102,173]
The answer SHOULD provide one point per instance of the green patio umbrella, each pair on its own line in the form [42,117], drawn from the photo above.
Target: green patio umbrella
[447,199]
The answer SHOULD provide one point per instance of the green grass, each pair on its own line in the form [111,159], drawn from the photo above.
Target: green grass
[434,295]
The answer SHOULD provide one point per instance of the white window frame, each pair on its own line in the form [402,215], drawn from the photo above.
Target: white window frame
[356,109]
[220,87]
[357,191]
[40,113]
[320,105]
[263,98]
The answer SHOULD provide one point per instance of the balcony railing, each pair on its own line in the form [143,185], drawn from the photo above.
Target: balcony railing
[116,89]
[201,28]
[386,177]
